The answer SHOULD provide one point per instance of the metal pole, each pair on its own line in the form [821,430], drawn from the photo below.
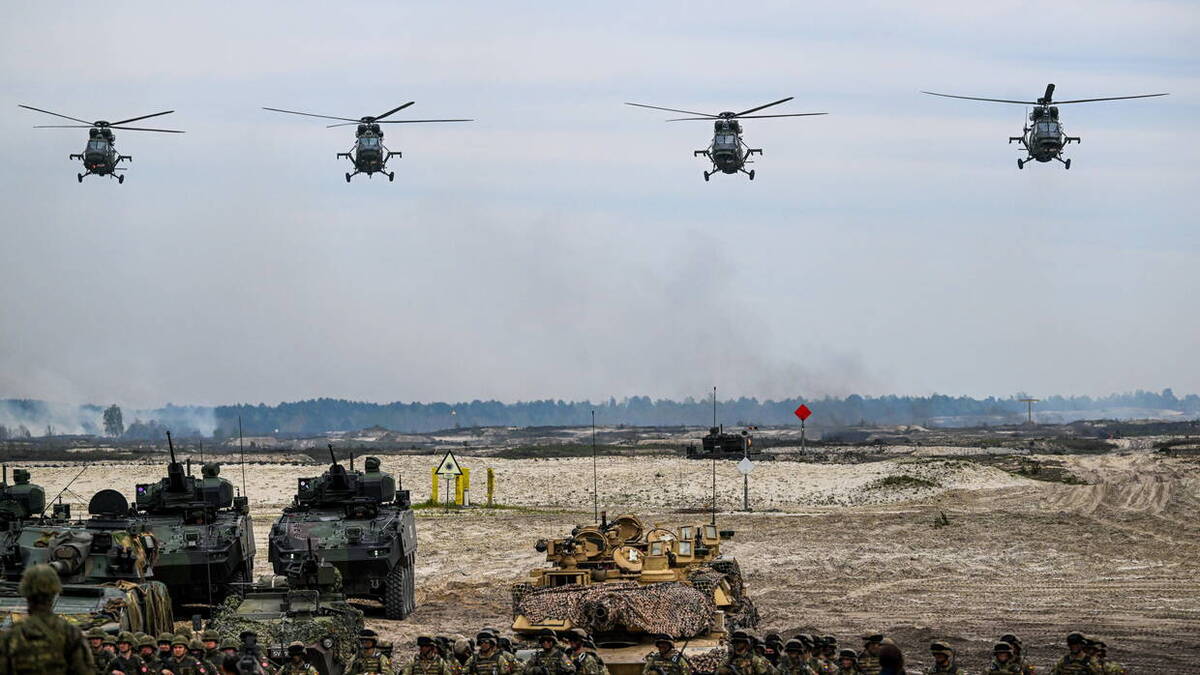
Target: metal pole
[802,437]
[714,406]
[714,491]
[745,492]
[595,473]
[242,448]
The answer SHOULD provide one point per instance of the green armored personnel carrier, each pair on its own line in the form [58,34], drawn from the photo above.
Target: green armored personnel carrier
[106,564]
[21,500]
[623,582]
[305,605]
[205,533]
[360,523]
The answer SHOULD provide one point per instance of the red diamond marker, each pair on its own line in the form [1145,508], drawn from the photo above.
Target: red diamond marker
[802,412]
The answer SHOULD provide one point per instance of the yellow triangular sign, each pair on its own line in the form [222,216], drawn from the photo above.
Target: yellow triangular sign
[449,466]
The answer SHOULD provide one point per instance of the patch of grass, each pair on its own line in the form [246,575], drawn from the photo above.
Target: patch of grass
[901,483]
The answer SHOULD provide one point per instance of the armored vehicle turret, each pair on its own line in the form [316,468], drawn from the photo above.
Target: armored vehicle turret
[21,500]
[624,582]
[106,565]
[305,605]
[205,533]
[360,523]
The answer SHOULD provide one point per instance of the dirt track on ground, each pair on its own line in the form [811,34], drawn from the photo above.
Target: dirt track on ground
[1118,558]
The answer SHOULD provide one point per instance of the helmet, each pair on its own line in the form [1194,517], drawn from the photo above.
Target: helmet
[1002,647]
[425,641]
[773,639]
[40,582]
[368,634]
[372,464]
[462,647]
[483,636]
[196,645]
[939,647]
[109,639]
[1076,638]
[874,637]
[660,638]
[295,647]
[126,636]
[740,636]
[211,634]
[164,637]
[577,635]
[1011,639]
[546,634]
[228,643]
[848,654]
[147,641]
[210,470]
[829,641]
[793,645]
[97,633]
[180,639]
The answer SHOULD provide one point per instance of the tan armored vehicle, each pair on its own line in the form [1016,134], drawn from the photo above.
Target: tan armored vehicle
[623,581]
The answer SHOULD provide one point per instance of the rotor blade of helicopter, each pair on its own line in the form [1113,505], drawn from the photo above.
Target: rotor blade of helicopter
[328,117]
[686,112]
[759,117]
[412,121]
[1109,98]
[134,119]
[976,98]
[73,119]
[782,100]
[165,131]
[62,126]
[394,110]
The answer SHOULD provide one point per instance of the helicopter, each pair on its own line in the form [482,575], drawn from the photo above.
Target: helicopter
[100,155]
[727,152]
[1044,138]
[368,154]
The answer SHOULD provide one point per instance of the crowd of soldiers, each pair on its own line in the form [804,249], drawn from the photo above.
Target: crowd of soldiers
[45,643]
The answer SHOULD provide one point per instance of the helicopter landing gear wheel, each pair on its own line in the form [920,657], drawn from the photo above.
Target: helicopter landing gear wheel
[391,176]
[751,174]
[1067,165]
[120,180]
[1020,164]
[79,176]
[706,175]
[347,178]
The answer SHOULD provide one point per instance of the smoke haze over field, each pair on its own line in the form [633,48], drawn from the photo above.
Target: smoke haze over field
[566,246]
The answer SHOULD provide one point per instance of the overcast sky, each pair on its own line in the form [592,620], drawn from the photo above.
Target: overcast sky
[567,246]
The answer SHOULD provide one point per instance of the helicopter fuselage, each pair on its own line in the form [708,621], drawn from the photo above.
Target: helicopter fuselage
[1044,137]
[100,156]
[727,152]
[369,155]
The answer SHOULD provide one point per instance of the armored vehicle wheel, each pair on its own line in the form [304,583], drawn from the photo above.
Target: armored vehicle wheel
[347,178]
[1020,164]
[398,591]
[1067,164]
[79,176]
[751,174]
[120,180]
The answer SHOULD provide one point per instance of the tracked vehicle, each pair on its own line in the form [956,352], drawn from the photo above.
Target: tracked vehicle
[719,444]
[361,524]
[205,533]
[106,565]
[305,605]
[623,582]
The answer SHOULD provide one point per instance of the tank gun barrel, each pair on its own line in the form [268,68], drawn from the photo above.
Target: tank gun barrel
[171,447]
[174,469]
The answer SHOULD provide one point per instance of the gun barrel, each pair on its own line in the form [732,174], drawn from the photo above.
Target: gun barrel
[332,457]
[171,447]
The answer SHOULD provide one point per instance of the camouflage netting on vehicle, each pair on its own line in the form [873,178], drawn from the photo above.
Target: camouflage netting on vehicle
[743,613]
[342,622]
[144,607]
[673,608]
[709,661]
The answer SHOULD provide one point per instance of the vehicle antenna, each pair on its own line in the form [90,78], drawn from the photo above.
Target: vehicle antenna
[171,447]
[332,457]
[242,448]
[595,474]
[60,492]
[714,471]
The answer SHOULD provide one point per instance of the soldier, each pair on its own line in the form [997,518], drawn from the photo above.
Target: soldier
[369,659]
[667,660]
[229,647]
[149,653]
[109,646]
[100,657]
[211,639]
[585,662]
[1018,654]
[868,660]
[428,661]
[848,663]
[1107,667]
[43,642]
[1003,660]
[793,661]
[296,663]
[741,659]
[943,659]
[1076,661]
[550,659]
[828,653]
[196,651]
[126,662]
[773,648]
[489,659]
[180,662]
[164,645]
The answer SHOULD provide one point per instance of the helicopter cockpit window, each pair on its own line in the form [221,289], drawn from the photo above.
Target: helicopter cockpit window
[369,142]
[96,145]
[725,140]
[1048,128]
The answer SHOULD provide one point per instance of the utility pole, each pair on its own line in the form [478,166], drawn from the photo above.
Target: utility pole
[1029,407]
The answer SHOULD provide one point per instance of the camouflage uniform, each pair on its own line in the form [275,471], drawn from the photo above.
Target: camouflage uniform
[794,665]
[939,647]
[848,654]
[746,663]
[587,663]
[434,665]
[1083,664]
[301,668]
[129,663]
[375,662]
[186,664]
[674,663]
[868,664]
[43,642]
[497,663]
[552,662]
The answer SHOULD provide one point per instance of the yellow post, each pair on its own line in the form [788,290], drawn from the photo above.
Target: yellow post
[434,498]
[459,482]
[466,483]
[491,490]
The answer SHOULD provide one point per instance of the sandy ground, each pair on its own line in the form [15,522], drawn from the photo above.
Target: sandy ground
[828,548]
